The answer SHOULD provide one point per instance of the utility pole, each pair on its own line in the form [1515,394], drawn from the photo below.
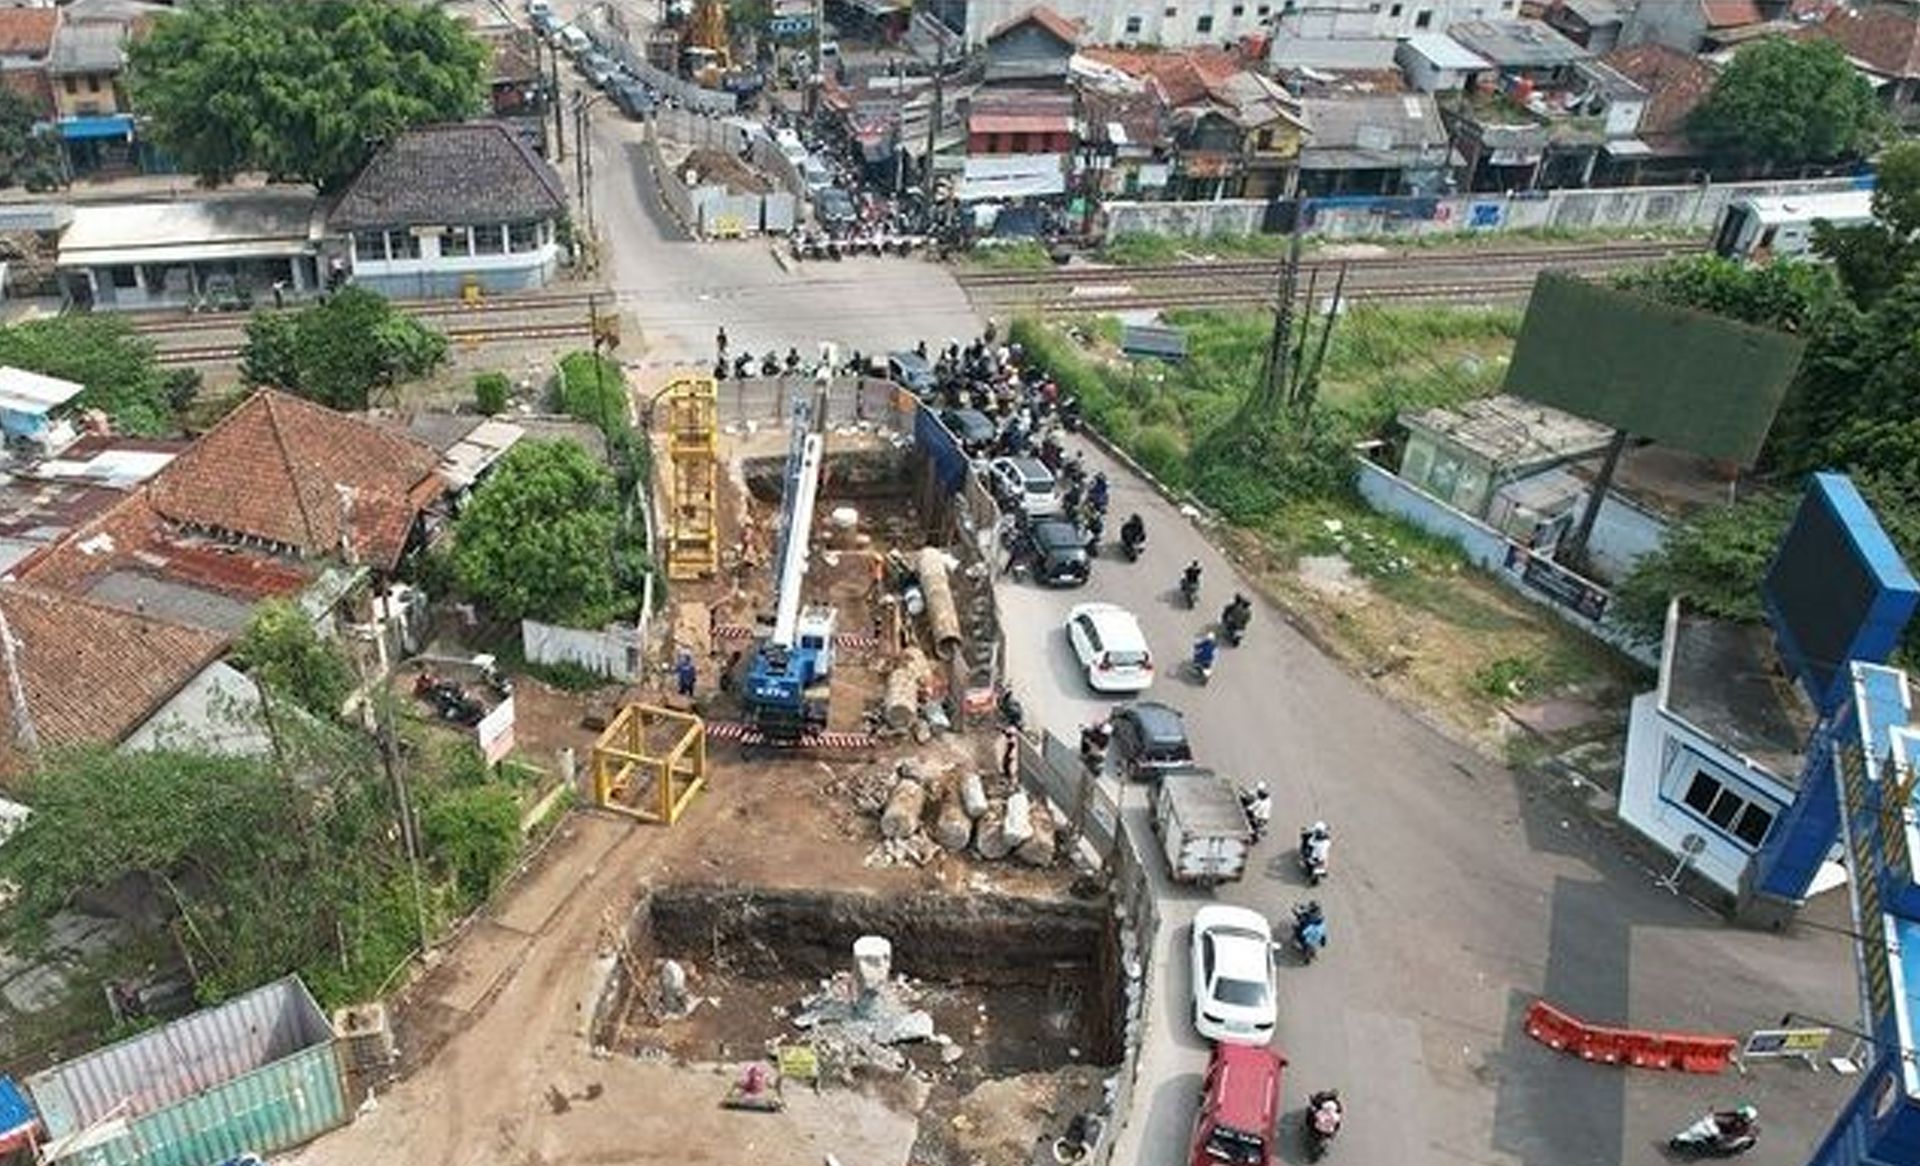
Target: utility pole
[1274,370]
[933,115]
[553,95]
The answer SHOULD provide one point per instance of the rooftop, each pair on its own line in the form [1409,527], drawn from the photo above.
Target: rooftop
[1444,52]
[1595,12]
[1730,13]
[1676,83]
[1510,432]
[90,673]
[454,174]
[1061,28]
[30,392]
[246,226]
[1517,44]
[93,46]
[27,32]
[1725,680]
[1352,132]
[301,476]
[1883,38]
[1334,54]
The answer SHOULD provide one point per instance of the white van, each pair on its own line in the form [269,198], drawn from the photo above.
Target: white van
[539,8]
[575,40]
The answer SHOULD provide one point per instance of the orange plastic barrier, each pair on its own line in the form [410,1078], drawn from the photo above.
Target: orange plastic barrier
[1687,1052]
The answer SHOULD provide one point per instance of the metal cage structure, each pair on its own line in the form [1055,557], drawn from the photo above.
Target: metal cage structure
[649,746]
[693,439]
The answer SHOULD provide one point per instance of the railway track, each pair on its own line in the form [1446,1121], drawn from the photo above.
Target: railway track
[226,353]
[1500,289]
[1531,258]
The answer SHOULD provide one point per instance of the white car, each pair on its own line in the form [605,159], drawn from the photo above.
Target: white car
[1025,484]
[1110,646]
[1233,1000]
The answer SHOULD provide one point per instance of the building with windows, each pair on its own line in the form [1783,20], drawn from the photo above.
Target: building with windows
[225,252]
[1714,751]
[96,127]
[1165,23]
[448,209]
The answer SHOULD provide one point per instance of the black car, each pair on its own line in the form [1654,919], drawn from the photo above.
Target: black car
[632,97]
[1057,550]
[911,371]
[1150,739]
[834,208]
[971,428]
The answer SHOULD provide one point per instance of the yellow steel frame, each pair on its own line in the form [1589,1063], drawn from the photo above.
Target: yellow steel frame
[624,762]
[693,453]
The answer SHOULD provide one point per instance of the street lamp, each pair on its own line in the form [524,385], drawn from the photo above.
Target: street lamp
[583,155]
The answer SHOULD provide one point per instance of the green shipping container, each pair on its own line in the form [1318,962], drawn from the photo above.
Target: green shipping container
[258,1074]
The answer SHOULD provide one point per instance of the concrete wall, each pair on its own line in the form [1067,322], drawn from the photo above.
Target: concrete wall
[449,281]
[616,652]
[1483,546]
[1691,207]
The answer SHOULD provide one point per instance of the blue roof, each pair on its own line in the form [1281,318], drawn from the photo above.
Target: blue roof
[1906,990]
[80,129]
[15,1113]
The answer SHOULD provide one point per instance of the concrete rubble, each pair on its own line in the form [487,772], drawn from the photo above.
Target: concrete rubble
[858,1017]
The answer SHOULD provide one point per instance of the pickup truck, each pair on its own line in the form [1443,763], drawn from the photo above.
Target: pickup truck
[1201,827]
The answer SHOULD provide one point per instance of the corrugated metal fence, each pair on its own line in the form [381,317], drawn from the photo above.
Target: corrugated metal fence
[256,1074]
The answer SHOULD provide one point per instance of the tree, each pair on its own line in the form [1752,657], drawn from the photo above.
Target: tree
[27,158]
[285,654]
[490,392]
[103,353]
[538,540]
[1871,258]
[1787,102]
[340,350]
[301,91]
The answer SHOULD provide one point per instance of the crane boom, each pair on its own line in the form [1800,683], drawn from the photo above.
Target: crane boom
[802,488]
[786,696]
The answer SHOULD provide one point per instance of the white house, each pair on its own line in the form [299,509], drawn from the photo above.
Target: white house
[446,208]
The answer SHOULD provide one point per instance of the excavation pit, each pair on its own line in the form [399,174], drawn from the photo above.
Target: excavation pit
[1015,985]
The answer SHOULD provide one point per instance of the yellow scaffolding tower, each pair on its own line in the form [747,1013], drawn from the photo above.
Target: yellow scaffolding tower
[693,451]
[625,761]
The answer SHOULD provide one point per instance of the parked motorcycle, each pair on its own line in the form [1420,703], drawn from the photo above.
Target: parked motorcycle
[1723,1134]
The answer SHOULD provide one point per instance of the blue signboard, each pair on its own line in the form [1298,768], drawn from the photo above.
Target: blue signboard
[789,25]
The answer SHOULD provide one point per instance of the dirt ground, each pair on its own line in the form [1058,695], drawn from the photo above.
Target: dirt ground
[494,1036]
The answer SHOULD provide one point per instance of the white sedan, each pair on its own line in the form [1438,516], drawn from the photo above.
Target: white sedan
[1109,644]
[1233,1000]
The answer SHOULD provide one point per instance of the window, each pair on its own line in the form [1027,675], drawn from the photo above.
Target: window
[72,84]
[1133,26]
[93,83]
[523,237]
[1396,10]
[1239,9]
[369,246]
[1204,24]
[1171,13]
[403,244]
[1747,821]
[456,243]
[1423,18]
[490,239]
[1264,10]
[125,277]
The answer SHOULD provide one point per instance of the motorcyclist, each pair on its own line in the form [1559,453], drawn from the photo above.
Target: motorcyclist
[1097,493]
[1309,928]
[1258,804]
[1737,1123]
[1237,615]
[1133,532]
[1205,649]
[1095,527]
[1190,581]
[1316,845]
[1324,1113]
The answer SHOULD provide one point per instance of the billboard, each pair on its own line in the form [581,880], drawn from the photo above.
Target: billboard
[1836,591]
[1683,378]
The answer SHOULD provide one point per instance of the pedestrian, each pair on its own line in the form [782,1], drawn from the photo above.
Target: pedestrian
[1009,752]
[684,674]
[720,342]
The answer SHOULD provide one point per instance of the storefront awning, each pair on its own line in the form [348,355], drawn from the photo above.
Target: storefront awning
[93,129]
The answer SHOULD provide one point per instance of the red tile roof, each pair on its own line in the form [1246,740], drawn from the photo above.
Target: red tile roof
[27,32]
[302,476]
[1675,82]
[1183,77]
[1730,13]
[1046,18]
[1884,37]
[91,673]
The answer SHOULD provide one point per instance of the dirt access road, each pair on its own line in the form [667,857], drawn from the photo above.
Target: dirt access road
[505,1073]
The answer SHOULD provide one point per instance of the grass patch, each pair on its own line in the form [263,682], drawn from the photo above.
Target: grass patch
[1026,256]
[1137,250]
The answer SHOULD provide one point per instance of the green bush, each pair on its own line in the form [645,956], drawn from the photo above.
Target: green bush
[473,834]
[594,389]
[490,392]
[1160,449]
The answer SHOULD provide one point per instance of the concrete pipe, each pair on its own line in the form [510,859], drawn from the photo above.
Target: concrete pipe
[942,616]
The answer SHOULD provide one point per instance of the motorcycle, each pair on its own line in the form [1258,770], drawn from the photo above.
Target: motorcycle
[1233,625]
[1258,808]
[1309,930]
[1312,866]
[1717,1135]
[1322,1122]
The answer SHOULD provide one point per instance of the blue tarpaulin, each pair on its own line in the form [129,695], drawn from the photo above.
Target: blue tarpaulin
[17,1120]
[81,129]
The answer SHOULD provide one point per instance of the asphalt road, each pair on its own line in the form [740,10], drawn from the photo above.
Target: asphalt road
[1457,895]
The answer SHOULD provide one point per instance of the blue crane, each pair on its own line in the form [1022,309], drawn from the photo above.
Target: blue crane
[786,693]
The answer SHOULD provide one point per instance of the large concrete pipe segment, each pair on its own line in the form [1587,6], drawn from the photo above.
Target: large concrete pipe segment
[942,616]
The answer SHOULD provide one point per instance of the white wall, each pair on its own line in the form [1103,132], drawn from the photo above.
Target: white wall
[1105,22]
[1361,19]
